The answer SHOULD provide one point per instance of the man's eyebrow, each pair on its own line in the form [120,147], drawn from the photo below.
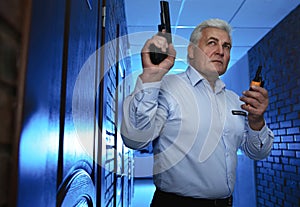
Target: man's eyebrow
[213,38]
[216,39]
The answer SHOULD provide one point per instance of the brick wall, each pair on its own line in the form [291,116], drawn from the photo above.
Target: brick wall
[278,176]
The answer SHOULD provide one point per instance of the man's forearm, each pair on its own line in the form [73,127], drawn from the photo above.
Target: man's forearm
[139,112]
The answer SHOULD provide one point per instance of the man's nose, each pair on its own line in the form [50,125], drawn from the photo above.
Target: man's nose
[220,50]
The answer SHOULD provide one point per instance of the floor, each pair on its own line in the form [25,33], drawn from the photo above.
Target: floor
[143,192]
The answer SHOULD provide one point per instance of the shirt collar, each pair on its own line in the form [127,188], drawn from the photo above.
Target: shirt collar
[195,77]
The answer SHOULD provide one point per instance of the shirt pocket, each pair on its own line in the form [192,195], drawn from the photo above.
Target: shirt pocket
[234,128]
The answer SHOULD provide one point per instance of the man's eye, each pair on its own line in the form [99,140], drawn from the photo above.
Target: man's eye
[227,46]
[212,43]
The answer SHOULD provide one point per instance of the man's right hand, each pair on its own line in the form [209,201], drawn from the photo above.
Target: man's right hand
[151,72]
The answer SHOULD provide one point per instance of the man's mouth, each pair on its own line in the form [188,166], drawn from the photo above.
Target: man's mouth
[217,61]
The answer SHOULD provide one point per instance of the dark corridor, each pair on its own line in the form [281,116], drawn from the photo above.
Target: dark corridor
[62,83]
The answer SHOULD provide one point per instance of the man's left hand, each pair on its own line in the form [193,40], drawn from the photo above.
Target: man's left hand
[256,103]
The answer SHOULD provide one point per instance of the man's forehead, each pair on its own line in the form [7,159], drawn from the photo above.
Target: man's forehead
[215,33]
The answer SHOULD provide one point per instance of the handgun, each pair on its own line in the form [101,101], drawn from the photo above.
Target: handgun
[156,55]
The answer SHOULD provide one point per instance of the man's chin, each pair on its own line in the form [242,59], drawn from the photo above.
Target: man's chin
[219,67]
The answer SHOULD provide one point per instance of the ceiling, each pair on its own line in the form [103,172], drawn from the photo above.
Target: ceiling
[251,20]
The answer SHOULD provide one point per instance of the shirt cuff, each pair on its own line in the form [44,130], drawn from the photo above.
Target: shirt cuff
[146,91]
[262,135]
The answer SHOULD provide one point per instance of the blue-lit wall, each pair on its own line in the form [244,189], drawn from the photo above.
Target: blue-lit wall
[278,176]
[70,151]
[274,181]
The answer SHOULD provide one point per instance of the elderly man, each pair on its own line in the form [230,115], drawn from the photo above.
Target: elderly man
[195,124]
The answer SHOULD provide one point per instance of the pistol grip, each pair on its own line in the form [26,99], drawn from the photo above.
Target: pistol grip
[156,55]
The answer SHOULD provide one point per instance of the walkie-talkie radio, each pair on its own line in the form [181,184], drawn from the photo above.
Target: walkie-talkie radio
[257,80]
[156,55]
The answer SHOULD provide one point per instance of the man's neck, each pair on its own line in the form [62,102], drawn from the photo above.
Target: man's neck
[211,80]
[210,75]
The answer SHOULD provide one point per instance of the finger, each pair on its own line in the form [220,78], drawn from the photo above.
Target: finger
[255,95]
[170,60]
[254,103]
[254,99]
[146,61]
[145,55]
[249,95]
[157,41]
[160,42]
[250,101]
[248,108]
[260,90]
[252,110]
[172,51]
[146,47]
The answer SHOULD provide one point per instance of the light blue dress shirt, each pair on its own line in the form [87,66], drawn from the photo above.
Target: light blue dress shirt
[195,133]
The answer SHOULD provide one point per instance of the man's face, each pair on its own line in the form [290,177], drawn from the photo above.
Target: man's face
[216,45]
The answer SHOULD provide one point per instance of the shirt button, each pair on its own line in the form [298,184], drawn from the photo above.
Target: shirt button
[147,92]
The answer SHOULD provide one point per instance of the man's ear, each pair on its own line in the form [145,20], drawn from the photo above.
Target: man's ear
[191,49]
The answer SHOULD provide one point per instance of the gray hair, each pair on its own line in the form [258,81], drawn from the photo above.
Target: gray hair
[217,23]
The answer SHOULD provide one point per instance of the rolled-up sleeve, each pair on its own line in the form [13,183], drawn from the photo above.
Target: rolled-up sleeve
[258,144]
